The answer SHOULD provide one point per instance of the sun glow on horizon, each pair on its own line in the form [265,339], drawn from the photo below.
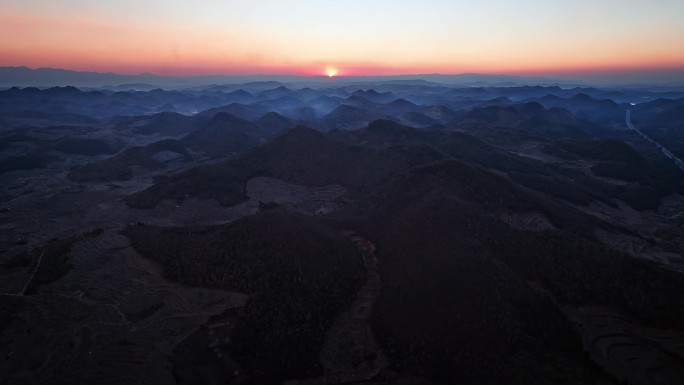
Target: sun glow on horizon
[331,72]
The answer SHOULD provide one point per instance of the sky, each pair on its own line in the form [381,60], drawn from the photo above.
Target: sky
[353,37]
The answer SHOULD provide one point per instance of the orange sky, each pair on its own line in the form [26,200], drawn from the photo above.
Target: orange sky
[381,38]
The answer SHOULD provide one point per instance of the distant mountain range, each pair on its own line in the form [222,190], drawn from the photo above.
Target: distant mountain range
[50,77]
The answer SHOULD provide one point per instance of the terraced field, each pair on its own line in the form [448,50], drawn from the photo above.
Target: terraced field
[632,353]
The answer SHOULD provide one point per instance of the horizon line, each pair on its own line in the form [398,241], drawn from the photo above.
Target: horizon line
[671,76]
[280,74]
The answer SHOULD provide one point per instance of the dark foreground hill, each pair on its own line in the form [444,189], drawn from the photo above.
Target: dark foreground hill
[299,273]
[495,302]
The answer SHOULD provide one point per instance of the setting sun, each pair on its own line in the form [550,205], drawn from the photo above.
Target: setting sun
[331,72]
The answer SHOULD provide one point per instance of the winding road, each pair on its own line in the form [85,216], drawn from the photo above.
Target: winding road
[678,162]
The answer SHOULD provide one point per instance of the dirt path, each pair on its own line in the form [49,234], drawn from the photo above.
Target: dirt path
[351,353]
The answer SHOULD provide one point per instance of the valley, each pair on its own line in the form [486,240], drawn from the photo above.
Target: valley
[385,232]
